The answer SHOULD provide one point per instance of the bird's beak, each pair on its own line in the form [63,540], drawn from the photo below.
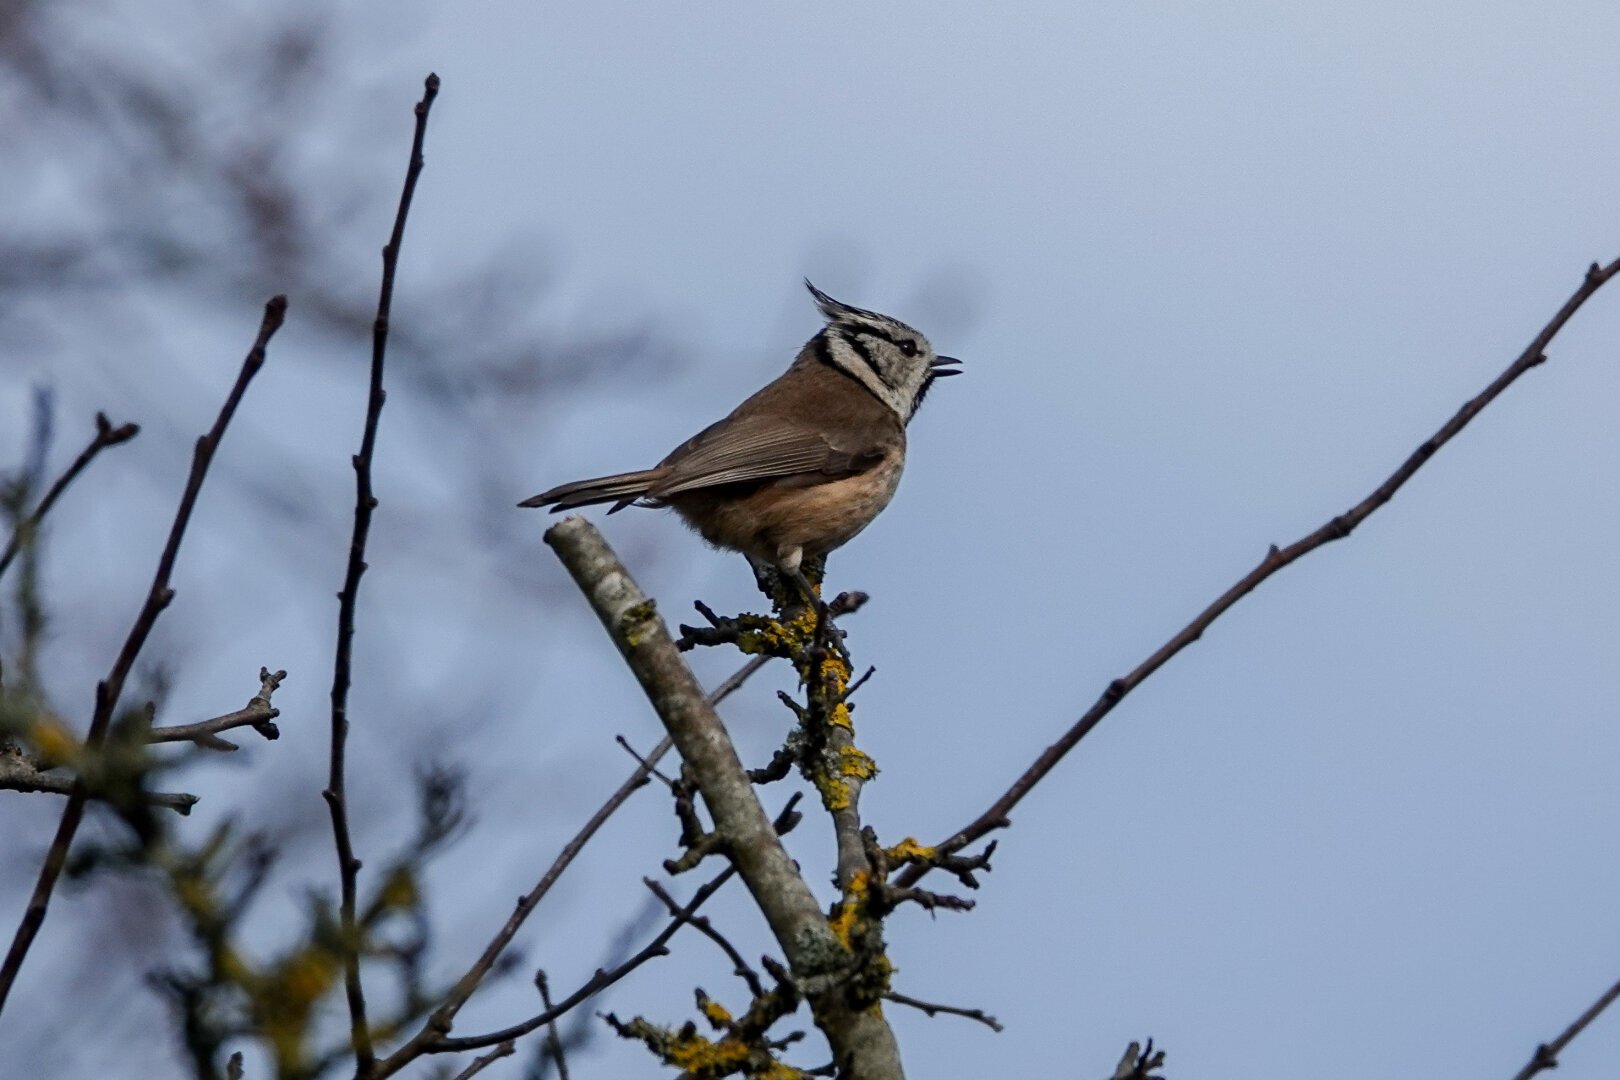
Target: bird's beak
[943,365]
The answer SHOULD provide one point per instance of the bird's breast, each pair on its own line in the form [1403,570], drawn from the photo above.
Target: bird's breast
[821,517]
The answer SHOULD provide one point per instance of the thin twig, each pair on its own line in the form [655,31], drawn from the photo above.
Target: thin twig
[651,769]
[1546,1055]
[106,435]
[257,714]
[553,1043]
[364,503]
[786,821]
[110,689]
[506,1049]
[933,1009]
[439,1023]
[1336,529]
[658,946]
[702,925]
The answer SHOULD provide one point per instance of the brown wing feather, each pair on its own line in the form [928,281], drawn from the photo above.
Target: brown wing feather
[740,449]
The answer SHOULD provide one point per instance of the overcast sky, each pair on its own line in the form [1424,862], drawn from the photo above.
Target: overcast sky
[1215,269]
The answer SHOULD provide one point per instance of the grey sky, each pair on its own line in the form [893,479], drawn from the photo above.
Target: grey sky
[1215,269]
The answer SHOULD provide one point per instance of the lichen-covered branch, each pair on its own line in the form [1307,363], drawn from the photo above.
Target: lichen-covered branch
[441,1020]
[860,1037]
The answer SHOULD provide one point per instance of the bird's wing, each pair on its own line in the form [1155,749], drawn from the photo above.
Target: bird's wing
[760,448]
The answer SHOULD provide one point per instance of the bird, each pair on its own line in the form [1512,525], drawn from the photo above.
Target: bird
[806,462]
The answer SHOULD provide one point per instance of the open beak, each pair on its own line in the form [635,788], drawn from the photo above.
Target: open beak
[944,365]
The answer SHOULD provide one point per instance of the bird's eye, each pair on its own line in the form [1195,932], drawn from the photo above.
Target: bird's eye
[908,348]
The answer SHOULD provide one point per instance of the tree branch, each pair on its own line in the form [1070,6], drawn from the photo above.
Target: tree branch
[110,689]
[860,1038]
[933,1009]
[553,1044]
[1546,1055]
[442,1019]
[1336,529]
[364,503]
[505,1049]
[702,924]
[257,714]
[106,435]
[19,773]
[658,946]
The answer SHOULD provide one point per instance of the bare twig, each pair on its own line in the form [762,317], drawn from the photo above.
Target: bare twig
[505,1049]
[553,1043]
[1546,1055]
[1336,529]
[933,1009]
[658,946]
[110,689]
[435,1042]
[861,1039]
[106,435]
[439,1023]
[646,765]
[364,503]
[257,714]
[18,773]
[702,924]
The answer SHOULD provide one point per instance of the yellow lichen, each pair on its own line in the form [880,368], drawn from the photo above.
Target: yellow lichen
[53,741]
[834,792]
[697,1054]
[909,850]
[856,764]
[779,1071]
[844,921]
[792,634]
[634,619]
[717,1014]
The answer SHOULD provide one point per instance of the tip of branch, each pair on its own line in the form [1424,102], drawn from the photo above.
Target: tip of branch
[275,310]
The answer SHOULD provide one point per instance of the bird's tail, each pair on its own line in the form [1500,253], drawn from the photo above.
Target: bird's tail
[623,488]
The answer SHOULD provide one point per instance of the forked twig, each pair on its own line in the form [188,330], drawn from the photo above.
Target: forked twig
[106,435]
[258,714]
[110,689]
[439,1022]
[479,1064]
[603,979]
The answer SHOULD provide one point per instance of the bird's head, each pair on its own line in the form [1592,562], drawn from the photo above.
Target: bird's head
[889,358]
